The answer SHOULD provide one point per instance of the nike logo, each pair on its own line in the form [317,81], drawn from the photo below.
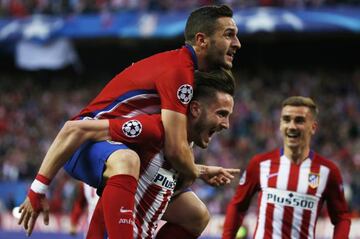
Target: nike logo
[272,175]
[123,210]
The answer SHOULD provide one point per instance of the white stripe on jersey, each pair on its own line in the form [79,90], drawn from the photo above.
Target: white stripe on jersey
[264,174]
[301,188]
[134,98]
[155,109]
[281,183]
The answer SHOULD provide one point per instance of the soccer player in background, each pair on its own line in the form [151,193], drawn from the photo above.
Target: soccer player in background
[84,203]
[158,84]
[293,183]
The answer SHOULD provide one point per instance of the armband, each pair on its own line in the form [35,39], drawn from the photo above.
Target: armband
[37,191]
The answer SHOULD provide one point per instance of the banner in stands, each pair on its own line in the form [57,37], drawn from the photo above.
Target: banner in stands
[171,24]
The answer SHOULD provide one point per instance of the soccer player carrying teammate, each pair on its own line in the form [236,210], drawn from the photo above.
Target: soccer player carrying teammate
[294,182]
[158,84]
[209,112]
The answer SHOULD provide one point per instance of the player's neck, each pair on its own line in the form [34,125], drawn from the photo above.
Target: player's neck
[296,155]
[201,59]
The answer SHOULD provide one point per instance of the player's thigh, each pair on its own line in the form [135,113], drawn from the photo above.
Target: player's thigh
[88,163]
[124,161]
[187,210]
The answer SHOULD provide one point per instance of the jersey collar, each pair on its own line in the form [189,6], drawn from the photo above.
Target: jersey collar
[193,55]
[310,156]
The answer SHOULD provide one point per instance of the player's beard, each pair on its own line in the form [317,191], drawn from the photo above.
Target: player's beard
[216,57]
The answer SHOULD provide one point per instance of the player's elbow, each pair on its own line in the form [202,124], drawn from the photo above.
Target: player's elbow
[71,128]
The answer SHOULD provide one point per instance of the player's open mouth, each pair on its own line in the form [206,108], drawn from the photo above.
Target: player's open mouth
[230,55]
[211,132]
[293,135]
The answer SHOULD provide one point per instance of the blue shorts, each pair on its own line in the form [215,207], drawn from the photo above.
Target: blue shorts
[87,164]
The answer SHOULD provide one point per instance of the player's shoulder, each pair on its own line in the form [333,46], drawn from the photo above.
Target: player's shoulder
[180,57]
[323,161]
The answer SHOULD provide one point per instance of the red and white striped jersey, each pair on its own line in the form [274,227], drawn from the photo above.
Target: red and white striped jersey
[161,81]
[290,197]
[157,179]
[155,188]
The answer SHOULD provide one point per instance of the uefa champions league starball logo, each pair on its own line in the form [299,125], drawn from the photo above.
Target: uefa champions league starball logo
[132,128]
[185,93]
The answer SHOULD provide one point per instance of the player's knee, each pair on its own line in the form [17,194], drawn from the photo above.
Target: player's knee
[203,216]
[199,219]
[123,162]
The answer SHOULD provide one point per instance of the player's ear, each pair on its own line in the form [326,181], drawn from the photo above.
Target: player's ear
[201,40]
[194,108]
[314,127]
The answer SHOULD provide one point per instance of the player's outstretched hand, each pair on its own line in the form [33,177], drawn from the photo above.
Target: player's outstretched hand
[30,213]
[218,176]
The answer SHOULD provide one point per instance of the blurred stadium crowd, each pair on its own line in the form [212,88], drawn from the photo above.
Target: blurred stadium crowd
[23,8]
[32,113]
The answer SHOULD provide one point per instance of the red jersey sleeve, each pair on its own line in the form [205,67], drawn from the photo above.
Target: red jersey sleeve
[248,185]
[175,88]
[142,131]
[337,206]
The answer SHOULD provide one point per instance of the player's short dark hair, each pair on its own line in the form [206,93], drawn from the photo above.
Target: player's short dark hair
[302,101]
[204,20]
[207,84]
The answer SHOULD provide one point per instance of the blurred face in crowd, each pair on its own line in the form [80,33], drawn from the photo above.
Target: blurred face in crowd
[208,117]
[223,44]
[297,125]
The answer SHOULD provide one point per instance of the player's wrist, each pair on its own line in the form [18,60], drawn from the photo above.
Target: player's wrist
[202,170]
[40,185]
[37,191]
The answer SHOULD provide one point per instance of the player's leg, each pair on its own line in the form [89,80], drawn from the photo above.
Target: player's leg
[118,197]
[114,170]
[186,217]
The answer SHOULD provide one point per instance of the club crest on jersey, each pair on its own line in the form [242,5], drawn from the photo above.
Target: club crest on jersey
[185,93]
[132,128]
[314,179]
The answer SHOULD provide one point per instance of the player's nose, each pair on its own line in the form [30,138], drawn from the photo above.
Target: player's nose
[236,43]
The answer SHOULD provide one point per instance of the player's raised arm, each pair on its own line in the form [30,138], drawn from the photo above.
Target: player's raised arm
[70,137]
[176,147]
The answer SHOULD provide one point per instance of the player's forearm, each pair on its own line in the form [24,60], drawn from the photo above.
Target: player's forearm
[182,160]
[342,229]
[233,221]
[70,137]
[176,148]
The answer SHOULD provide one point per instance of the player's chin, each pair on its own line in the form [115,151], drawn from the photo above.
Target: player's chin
[227,65]
[228,62]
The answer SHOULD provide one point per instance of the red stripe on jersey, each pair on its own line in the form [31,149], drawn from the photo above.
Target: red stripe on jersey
[156,216]
[289,211]
[274,168]
[304,232]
